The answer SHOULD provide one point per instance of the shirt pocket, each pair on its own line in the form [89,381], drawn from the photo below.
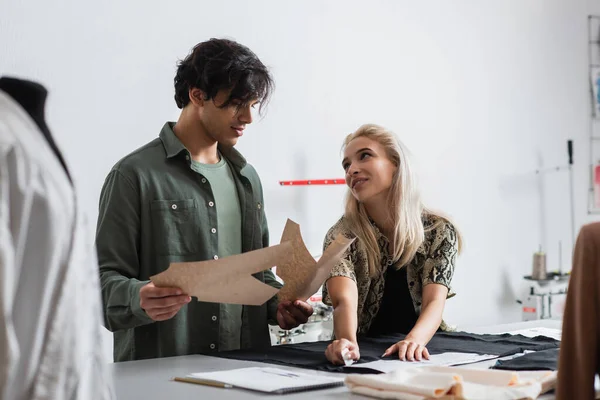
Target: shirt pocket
[174,226]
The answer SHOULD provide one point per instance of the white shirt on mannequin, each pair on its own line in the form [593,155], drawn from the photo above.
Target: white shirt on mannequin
[50,313]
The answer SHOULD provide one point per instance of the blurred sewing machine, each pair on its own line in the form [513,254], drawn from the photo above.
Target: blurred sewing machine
[544,288]
[542,297]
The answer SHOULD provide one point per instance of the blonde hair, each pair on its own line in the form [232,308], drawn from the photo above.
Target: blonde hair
[404,201]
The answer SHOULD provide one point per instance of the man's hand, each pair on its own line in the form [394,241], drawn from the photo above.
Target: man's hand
[291,314]
[408,350]
[335,349]
[162,303]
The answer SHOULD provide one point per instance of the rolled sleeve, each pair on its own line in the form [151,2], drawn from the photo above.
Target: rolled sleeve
[345,267]
[440,263]
[117,242]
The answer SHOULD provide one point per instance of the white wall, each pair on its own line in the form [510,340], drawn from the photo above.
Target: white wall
[483,92]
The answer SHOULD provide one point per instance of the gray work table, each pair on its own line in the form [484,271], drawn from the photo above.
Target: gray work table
[152,379]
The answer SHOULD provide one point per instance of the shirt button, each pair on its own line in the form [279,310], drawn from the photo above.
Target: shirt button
[213,230]
[174,206]
[212,346]
[214,317]
[203,180]
[216,257]
[210,204]
[187,157]
[259,206]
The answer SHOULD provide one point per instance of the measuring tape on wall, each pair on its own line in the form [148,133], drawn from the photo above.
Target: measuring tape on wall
[334,181]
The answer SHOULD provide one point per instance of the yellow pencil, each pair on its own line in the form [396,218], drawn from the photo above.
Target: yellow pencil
[203,382]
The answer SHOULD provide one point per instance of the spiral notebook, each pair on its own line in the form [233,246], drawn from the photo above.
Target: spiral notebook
[264,379]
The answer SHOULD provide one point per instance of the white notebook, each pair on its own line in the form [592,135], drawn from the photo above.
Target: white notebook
[264,379]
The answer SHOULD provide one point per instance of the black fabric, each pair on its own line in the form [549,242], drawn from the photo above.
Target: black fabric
[312,355]
[32,97]
[397,313]
[539,360]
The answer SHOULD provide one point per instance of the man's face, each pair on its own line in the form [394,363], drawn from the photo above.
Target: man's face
[226,125]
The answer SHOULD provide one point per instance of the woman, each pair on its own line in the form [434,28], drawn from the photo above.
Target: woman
[396,275]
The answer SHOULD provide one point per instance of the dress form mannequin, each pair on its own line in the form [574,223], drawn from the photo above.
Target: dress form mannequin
[50,307]
[32,97]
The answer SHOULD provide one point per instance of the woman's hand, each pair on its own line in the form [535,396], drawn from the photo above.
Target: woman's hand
[408,350]
[334,351]
[412,348]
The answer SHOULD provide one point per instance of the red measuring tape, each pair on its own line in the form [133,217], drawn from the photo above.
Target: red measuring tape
[335,181]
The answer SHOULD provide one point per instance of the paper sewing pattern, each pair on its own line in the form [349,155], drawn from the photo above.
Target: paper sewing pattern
[452,382]
[227,280]
[230,280]
[301,274]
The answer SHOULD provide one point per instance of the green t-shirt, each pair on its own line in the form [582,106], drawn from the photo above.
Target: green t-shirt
[229,230]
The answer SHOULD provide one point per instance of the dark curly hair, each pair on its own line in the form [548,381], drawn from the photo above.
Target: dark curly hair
[219,64]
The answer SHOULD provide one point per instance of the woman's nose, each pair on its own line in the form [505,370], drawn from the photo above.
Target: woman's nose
[352,170]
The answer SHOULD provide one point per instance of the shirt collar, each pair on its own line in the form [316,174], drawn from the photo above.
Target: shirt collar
[174,147]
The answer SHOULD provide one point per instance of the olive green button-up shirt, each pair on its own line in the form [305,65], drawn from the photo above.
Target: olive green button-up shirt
[155,209]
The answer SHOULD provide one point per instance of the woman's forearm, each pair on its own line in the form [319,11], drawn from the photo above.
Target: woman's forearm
[345,322]
[428,322]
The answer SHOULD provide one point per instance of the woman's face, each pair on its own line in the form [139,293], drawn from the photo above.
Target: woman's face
[369,171]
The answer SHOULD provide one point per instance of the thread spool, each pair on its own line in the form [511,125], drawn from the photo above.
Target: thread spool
[539,266]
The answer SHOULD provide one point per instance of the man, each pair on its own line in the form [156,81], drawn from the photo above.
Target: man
[189,196]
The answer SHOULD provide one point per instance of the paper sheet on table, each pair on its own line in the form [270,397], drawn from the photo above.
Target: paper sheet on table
[269,379]
[443,359]
[541,331]
[229,279]
[301,275]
